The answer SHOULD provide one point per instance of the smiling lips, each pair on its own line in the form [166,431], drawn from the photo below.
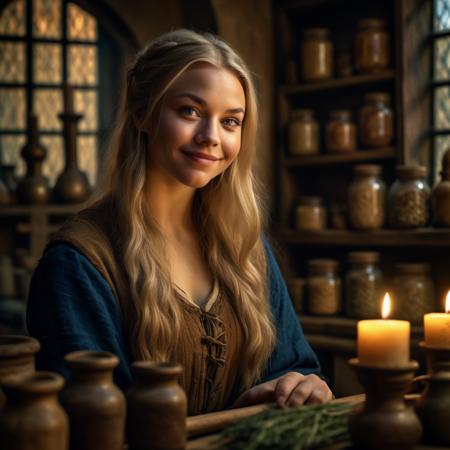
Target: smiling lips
[201,158]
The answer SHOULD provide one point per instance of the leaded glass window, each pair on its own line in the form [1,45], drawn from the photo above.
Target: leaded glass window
[440,83]
[44,44]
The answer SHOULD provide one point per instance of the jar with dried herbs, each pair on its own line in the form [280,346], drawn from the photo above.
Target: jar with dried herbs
[376,121]
[366,198]
[372,52]
[413,290]
[303,133]
[323,287]
[316,54]
[363,285]
[310,214]
[409,197]
[340,132]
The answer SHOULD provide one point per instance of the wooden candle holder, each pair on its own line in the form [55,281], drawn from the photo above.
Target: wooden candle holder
[434,407]
[385,421]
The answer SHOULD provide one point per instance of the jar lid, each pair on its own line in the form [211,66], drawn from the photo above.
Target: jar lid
[382,97]
[341,114]
[316,33]
[311,201]
[412,267]
[367,169]
[410,172]
[302,114]
[372,22]
[364,257]
[323,265]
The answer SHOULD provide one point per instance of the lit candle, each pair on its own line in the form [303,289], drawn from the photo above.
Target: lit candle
[437,327]
[384,342]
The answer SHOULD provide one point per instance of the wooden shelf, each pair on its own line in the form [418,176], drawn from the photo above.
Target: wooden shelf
[49,209]
[341,158]
[423,237]
[338,83]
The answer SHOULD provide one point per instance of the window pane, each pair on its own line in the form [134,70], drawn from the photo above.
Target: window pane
[441,145]
[82,61]
[442,107]
[47,61]
[47,18]
[87,157]
[12,19]
[80,25]
[86,104]
[12,109]
[442,59]
[10,148]
[12,66]
[54,162]
[48,104]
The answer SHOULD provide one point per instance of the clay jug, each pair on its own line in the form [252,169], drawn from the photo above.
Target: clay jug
[16,358]
[94,404]
[157,407]
[32,418]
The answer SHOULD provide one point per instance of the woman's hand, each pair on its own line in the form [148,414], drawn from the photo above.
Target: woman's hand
[292,389]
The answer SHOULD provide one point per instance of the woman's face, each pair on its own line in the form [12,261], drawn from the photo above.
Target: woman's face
[198,126]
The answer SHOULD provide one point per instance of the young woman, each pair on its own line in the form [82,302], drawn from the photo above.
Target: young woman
[170,263]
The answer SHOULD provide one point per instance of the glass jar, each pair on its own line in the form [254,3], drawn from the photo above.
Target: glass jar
[363,285]
[323,287]
[441,201]
[316,54]
[376,120]
[409,198]
[372,51]
[366,198]
[303,133]
[310,214]
[340,132]
[413,291]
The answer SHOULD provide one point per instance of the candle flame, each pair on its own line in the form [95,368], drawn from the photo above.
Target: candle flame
[386,309]
[447,303]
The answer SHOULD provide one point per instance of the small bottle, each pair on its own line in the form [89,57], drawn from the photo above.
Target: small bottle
[316,54]
[303,133]
[409,198]
[366,198]
[372,51]
[324,287]
[340,132]
[363,285]
[441,195]
[310,214]
[413,291]
[376,120]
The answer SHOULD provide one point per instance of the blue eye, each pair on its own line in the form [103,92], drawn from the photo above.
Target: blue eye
[188,111]
[232,122]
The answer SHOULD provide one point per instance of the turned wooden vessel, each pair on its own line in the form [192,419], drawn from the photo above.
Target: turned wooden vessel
[16,358]
[32,418]
[94,404]
[157,407]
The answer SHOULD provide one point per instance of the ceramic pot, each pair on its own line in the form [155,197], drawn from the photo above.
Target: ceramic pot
[94,404]
[157,408]
[32,418]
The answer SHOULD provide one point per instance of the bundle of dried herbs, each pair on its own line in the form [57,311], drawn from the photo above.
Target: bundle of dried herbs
[301,428]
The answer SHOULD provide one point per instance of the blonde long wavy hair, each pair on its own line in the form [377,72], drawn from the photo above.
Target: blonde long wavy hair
[226,211]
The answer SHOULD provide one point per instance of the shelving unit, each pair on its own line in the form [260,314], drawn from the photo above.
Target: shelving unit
[329,175]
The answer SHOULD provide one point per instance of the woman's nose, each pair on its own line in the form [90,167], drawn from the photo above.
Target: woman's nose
[207,134]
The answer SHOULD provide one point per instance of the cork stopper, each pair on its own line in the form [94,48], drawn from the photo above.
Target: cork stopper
[367,169]
[412,268]
[316,34]
[410,172]
[310,201]
[371,23]
[341,114]
[302,114]
[378,97]
[316,266]
[363,257]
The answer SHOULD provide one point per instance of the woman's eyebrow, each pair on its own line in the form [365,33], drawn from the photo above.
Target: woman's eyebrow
[202,102]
